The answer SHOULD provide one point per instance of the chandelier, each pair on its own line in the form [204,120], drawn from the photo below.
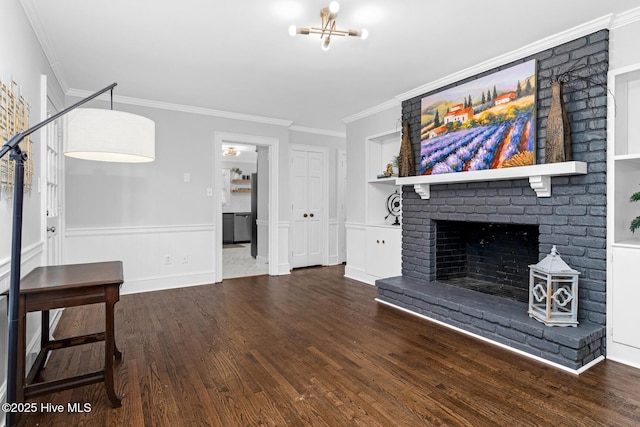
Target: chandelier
[230,151]
[328,27]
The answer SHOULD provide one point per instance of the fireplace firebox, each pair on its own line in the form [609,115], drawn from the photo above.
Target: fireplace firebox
[487,257]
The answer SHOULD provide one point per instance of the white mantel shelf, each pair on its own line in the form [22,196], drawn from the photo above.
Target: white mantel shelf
[539,177]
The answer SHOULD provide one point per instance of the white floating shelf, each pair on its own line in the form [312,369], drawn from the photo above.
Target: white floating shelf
[539,177]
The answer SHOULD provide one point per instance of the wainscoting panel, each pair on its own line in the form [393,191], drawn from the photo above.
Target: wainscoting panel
[332,241]
[154,258]
[356,258]
[283,229]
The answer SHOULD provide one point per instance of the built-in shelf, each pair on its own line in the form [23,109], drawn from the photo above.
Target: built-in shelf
[385,181]
[241,181]
[628,243]
[241,190]
[539,177]
[626,157]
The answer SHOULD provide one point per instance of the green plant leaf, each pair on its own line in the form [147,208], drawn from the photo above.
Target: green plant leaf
[635,197]
[635,224]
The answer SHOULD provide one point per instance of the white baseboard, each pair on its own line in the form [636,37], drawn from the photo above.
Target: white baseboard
[167,282]
[284,268]
[359,275]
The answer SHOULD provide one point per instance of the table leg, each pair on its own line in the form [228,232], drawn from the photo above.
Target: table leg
[44,330]
[109,346]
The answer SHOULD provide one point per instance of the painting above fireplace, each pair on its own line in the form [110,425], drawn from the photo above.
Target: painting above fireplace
[487,123]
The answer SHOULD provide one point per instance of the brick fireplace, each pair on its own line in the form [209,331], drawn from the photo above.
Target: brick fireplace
[573,219]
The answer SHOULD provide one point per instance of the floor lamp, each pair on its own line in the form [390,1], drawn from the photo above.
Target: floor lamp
[93,134]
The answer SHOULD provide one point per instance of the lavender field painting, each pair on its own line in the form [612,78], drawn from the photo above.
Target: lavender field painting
[488,123]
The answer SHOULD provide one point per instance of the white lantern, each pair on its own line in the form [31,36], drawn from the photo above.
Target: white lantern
[553,291]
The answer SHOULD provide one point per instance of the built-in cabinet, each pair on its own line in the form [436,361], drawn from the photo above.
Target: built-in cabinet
[382,239]
[623,292]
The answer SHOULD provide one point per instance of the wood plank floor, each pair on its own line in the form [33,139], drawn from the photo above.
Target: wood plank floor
[315,349]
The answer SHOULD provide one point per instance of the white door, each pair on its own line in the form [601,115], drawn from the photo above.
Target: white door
[54,171]
[307,196]
[50,183]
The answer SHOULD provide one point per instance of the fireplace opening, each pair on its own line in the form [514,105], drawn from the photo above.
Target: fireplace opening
[487,257]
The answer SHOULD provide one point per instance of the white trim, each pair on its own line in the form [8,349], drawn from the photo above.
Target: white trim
[47,47]
[160,283]
[506,347]
[274,202]
[317,131]
[359,274]
[355,226]
[133,230]
[539,176]
[623,360]
[28,254]
[325,193]
[81,93]
[597,24]
[283,231]
[626,18]
[373,110]
[546,43]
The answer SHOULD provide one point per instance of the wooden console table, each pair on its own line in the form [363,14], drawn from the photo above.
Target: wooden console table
[47,288]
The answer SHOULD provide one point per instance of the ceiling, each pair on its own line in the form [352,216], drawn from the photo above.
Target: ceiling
[237,56]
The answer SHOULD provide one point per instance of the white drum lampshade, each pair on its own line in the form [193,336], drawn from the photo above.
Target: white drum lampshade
[109,136]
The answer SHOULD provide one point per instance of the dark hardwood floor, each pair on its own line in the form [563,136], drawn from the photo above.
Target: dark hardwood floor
[315,349]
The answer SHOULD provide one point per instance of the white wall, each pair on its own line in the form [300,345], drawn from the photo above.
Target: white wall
[162,227]
[22,60]
[623,45]
[357,133]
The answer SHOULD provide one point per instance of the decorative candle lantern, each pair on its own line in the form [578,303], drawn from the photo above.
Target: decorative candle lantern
[553,291]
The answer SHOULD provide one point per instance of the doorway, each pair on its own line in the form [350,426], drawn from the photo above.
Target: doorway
[244,177]
[267,147]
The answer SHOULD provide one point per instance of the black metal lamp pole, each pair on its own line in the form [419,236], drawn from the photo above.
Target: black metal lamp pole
[16,246]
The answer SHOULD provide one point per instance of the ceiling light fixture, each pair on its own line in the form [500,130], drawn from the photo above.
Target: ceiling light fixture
[230,151]
[328,28]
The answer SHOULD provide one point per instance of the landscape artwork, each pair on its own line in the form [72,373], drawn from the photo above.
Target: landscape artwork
[488,123]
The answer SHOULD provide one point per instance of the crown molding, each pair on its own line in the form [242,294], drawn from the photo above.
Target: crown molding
[371,111]
[325,132]
[626,18]
[604,22]
[183,108]
[530,49]
[31,13]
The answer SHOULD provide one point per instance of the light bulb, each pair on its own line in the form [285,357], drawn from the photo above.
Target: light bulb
[325,45]
[364,33]
[293,30]
[334,7]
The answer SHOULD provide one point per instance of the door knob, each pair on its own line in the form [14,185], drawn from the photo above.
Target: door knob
[311,215]
[52,229]
[305,215]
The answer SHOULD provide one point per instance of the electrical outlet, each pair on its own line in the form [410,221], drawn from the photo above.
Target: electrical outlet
[167,259]
[185,259]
